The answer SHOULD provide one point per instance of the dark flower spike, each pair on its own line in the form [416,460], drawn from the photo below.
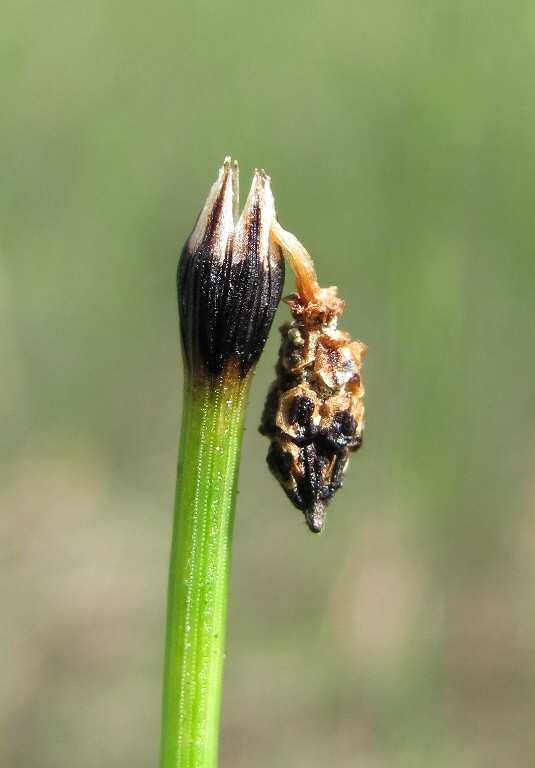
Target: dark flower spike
[230,278]
[314,411]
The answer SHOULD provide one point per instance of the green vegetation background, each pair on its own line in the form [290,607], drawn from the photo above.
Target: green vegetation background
[400,139]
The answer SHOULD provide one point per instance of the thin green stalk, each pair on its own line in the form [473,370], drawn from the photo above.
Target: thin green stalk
[210,444]
[229,283]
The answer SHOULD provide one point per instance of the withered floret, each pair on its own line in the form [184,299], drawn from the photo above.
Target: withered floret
[314,411]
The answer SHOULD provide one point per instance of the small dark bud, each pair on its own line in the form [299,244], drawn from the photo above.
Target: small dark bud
[230,277]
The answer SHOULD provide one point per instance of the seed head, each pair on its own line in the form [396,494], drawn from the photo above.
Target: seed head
[314,411]
[230,277]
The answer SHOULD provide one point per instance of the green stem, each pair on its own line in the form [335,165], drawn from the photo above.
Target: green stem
[208,462]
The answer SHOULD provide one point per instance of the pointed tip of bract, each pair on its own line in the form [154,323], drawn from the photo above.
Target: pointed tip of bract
[217,218]
[255,221]
[269,200]
[235,192]
[315,517]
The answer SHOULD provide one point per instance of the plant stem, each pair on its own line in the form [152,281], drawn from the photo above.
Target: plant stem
[210,445]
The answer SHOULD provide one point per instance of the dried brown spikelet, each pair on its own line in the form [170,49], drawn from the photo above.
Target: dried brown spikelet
[314,411]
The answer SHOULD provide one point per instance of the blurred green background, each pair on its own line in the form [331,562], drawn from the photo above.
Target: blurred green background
[400,140]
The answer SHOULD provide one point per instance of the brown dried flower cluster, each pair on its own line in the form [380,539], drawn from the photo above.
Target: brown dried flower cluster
[314,410]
